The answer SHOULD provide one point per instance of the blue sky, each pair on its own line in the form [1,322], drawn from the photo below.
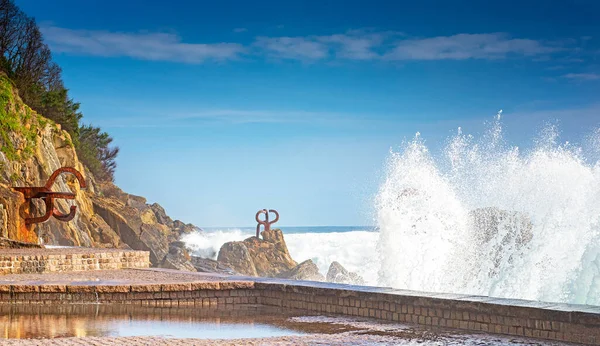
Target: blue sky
[223,108]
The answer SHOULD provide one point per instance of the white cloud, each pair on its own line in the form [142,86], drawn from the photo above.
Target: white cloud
[355,45]
[364,45]
[468,46]
[351,45]
[582,76]
[145,46]
[238,30]
[300,48]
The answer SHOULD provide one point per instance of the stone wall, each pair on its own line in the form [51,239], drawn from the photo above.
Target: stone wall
[479,314]
[16,262]
[548,321]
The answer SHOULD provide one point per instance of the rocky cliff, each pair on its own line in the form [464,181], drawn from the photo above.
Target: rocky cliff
[267,257]
[31,148]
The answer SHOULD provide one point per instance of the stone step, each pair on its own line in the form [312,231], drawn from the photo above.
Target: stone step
[70,259]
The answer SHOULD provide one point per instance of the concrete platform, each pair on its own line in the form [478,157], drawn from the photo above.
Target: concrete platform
[53,260]
[170,288]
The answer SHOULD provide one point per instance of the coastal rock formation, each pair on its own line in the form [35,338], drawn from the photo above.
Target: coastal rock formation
[338,274]
[3,221]
[235,255]
[266,257]
[206,265]
[143,227]
[31,148]
[178,258]
[306,270]
[6,243]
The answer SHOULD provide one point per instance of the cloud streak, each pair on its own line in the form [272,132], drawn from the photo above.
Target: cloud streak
[297,48]
[468,46]
[355,45]
[582,76]
[185,118]
[144,46]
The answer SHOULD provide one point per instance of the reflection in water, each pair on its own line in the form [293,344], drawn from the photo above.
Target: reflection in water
[35,321]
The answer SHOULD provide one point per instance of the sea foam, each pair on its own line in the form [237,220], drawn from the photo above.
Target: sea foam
[544,238]
[429,242]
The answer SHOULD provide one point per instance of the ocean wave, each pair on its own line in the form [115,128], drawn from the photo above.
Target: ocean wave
[353,249]
[489,219]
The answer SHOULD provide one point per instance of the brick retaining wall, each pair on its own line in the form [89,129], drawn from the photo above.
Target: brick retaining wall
[559,322]
[23,261]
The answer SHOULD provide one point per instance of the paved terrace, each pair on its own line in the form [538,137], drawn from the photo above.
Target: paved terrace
[169,288]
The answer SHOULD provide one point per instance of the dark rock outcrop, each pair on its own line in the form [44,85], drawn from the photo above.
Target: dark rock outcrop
[306,270]
[143,227]
[206,265]
[178,258]
[3,221]
[6,243]
[338,274]
[266,257]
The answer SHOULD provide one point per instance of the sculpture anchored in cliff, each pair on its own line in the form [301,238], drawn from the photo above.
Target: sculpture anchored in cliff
[48,196]
[265,222]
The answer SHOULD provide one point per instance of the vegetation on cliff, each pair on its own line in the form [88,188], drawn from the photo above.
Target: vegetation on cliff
[27,62]
[12,119]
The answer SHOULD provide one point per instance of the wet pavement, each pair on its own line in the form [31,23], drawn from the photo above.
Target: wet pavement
[133,325]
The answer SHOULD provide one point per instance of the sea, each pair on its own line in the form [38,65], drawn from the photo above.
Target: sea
[351,246]
[483,216]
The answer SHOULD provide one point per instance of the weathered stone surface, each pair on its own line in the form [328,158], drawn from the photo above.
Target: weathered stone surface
[267,257]
[206,265]
[6,243]
[236,256]
[178,258]
[137,202]
[338,274]
[3,221]
[12,222]
[306,270]
[143,227]
[275,237]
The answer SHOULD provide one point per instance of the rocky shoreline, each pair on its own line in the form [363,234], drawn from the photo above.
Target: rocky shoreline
[269,257]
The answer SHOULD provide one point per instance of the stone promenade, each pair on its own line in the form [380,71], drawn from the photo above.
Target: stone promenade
[162,288]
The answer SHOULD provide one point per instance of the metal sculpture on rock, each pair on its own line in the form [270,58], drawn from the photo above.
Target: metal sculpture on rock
[48,196]
[266,223]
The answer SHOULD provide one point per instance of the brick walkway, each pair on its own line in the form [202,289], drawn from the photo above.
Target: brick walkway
[146,341]
[341,339]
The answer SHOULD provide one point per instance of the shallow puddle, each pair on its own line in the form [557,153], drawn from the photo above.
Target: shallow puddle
[248,322]
[27,322]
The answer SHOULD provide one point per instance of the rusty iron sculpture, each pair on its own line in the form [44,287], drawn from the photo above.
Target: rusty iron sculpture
[48,196]
[266,223]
